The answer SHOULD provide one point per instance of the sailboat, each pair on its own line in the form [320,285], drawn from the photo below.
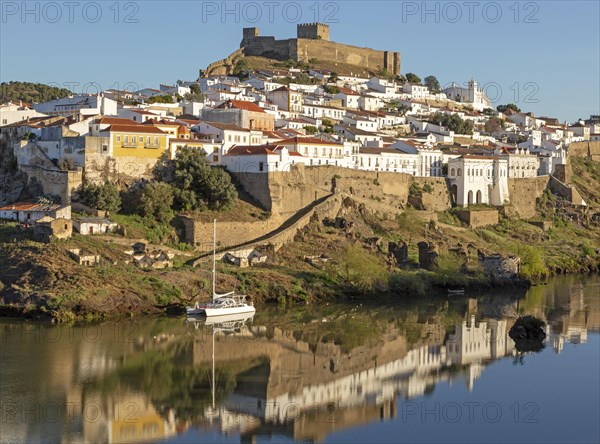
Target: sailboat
[221,304]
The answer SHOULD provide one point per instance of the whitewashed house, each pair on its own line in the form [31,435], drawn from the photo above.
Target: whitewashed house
[415,90]
[261,159]
[478,180]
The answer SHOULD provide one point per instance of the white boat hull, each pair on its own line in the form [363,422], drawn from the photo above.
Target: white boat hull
[226,311]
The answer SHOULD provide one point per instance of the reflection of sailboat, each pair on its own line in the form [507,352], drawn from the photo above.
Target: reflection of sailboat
[227,325]
[221,304]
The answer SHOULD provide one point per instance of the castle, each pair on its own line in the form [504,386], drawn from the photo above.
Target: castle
[312,42]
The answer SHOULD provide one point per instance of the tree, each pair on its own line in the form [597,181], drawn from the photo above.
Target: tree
[331,89]
[432,84]
[310,129]
[30,92]
[195,88]
[510,108]
[160,99]
[156,201]
[453,122]
[101,197]
[412,78]
[493,125]
[196,184]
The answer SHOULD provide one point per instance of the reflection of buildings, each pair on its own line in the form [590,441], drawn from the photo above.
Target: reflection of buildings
[130,418]
[290,384]
[284,385]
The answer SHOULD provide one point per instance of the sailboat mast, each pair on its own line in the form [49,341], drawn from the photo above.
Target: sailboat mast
[213,369]
[214,270]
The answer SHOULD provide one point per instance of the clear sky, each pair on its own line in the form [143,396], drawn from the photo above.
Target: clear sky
[542,55]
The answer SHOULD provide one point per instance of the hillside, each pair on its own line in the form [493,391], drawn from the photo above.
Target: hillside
[30,92]
[43,280]
[254,63]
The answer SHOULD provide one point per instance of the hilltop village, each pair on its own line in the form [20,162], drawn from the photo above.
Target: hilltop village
[344,146]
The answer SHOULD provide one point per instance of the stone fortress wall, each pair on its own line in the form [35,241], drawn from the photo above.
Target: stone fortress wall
[313,42]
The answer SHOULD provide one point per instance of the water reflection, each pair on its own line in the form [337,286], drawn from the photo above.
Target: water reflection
[300,374]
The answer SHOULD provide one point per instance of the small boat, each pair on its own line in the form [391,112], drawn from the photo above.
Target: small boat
[457,291]
[221,304]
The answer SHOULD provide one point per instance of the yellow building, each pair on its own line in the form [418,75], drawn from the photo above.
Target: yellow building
[144,141]
[172,128]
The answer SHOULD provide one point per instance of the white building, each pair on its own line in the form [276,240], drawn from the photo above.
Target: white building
[385,159]
[12,113]
[319,151]
[521,163]
[472,94]
[260,159]
[28,212]
[85,104]
[429,160]
[287,100]
[478,180]
[416,91]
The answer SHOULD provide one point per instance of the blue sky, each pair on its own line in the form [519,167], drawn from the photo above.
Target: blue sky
[542,55]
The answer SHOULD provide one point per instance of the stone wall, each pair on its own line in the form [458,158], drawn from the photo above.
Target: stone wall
[53,181]
[478,218]
[285,193]
[338,52]
[501,268]
[567,192]
[436,200]
[281,235]
[302,49]
[100,168]
[229,234]
[524,193]
[590,150]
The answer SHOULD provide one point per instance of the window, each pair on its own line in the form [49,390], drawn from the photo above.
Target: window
[126,140]
[261,166]
[156,140]
[133,140]
[118,138]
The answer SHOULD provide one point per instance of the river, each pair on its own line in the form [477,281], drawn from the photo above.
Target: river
[441,370]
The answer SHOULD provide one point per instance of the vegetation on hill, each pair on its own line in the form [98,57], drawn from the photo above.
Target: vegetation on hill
[453,122]
[30,92]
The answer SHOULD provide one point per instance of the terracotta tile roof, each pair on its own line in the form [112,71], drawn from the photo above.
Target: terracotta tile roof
[19,206]
[135,129]
[242,104]
[31,206]
[307,141]
[161,122]
[251,150]
[116,121]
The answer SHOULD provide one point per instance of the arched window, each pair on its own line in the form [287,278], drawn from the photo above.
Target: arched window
[459,172]
[452,172]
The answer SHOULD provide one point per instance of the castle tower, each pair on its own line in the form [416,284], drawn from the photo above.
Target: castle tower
[248,35]
[313,31]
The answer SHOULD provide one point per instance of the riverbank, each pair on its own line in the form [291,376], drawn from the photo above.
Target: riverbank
[325,262]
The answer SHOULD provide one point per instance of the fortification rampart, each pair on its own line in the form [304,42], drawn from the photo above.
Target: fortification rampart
[312,42]
[285,193]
